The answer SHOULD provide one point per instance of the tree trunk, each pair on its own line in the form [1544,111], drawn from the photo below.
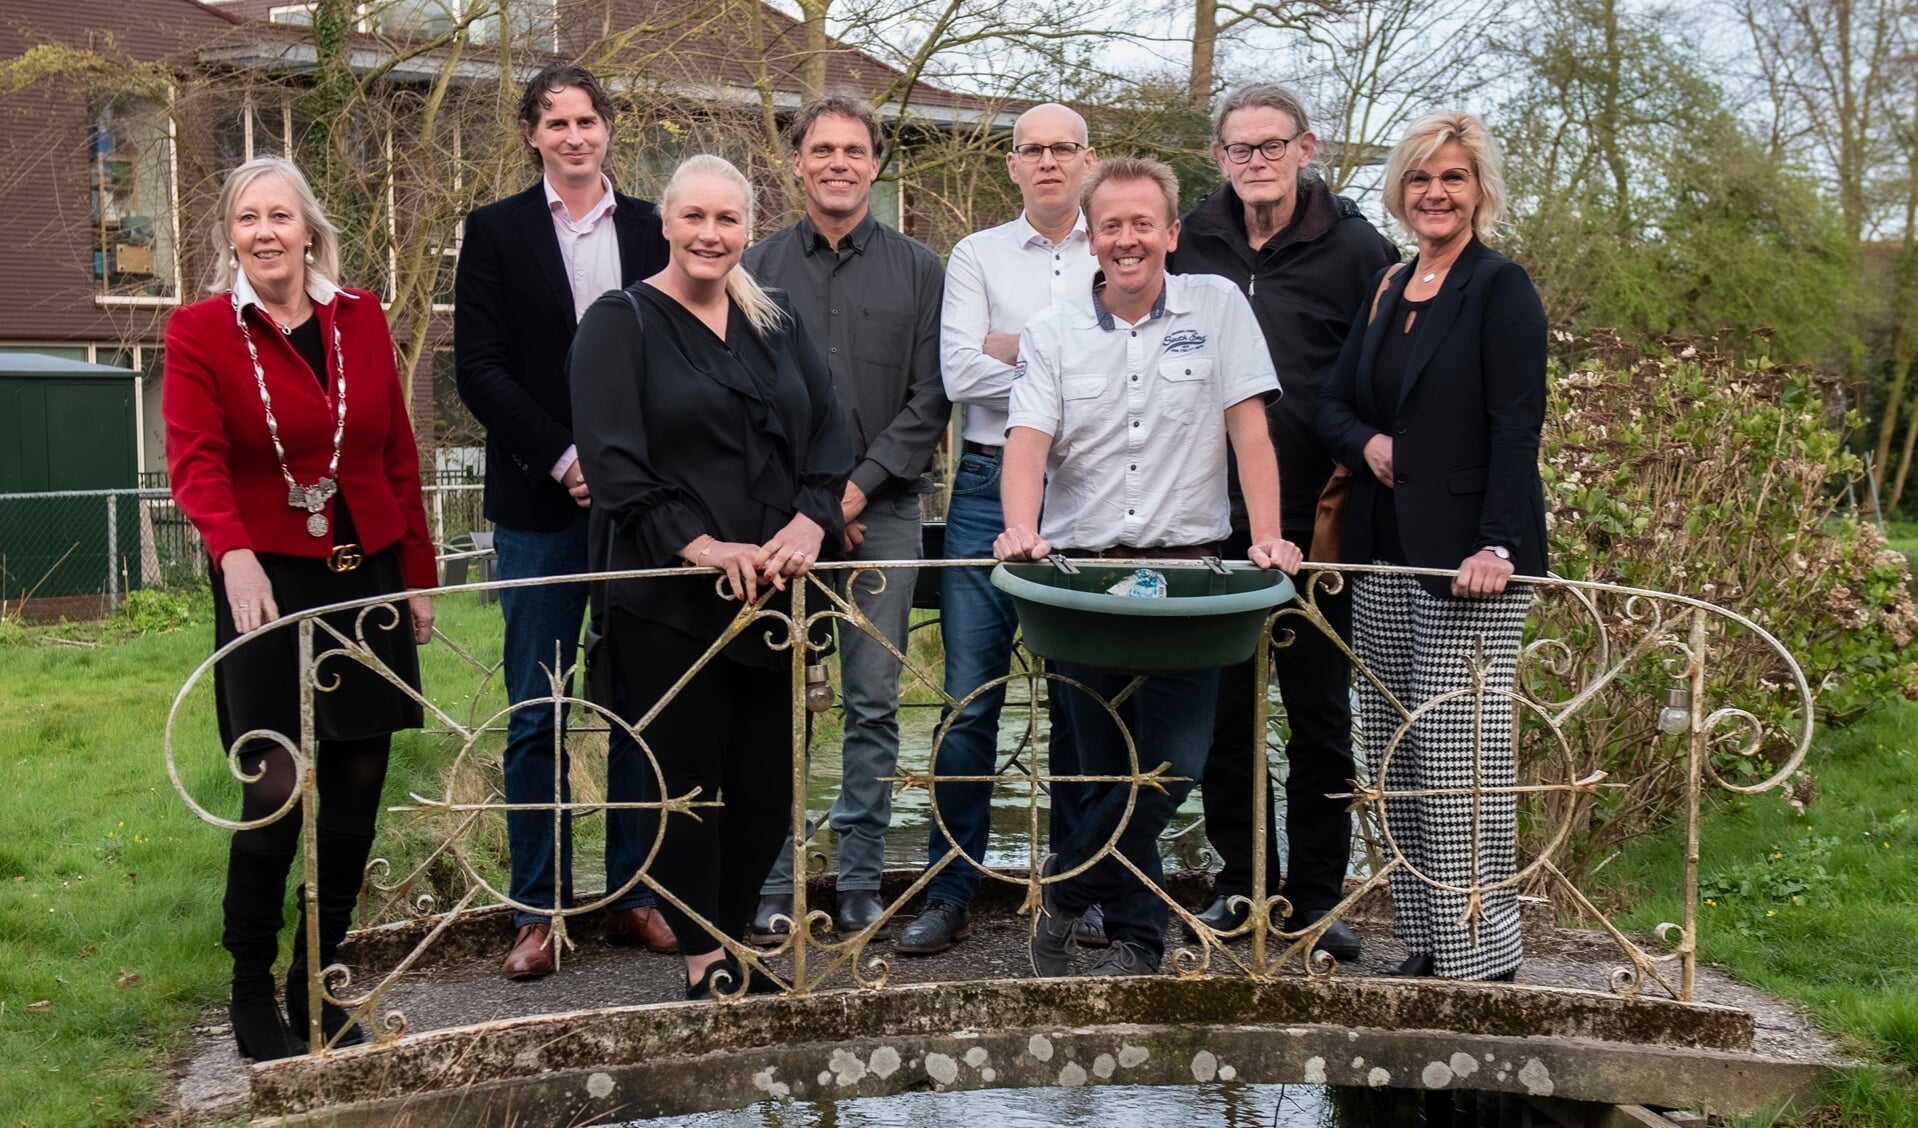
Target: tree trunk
[814,41]
[1205,49]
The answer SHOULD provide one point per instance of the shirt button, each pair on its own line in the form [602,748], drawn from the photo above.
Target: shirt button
[1188,372]
[1135,423]
[1135,332]
[1128,513]
[1134,466]
[832,350]
[835,313]
[1401,428]
[1135,377]
[1401,479]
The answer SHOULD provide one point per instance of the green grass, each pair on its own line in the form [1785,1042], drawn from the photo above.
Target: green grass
[109,885]
[1820,907]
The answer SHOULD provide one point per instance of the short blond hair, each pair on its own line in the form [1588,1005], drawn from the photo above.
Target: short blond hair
[1133,168]
[325,236]
[1424,138]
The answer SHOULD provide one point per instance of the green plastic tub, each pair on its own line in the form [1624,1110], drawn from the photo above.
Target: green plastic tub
[1205,619]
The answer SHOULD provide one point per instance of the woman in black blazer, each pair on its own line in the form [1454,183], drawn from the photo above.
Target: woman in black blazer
[706,422]
[1436,406]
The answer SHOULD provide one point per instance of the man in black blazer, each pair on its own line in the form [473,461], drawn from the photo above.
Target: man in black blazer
[529,266]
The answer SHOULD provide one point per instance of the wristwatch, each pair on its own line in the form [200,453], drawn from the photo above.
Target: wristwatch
[1499,551]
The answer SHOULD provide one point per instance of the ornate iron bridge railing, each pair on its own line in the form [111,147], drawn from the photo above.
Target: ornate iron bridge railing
[1623,695]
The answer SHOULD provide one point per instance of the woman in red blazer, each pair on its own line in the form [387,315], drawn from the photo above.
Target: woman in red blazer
[289,449]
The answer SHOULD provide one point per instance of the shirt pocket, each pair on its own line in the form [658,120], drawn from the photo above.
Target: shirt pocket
[1083,386]
[1185,387]
[883,336]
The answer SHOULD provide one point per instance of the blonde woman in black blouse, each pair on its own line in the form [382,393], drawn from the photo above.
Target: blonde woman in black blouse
[707,425]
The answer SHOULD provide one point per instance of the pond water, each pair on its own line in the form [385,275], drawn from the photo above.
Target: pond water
[1102,1106]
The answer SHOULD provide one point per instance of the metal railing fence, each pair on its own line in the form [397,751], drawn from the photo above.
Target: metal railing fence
[1598,662]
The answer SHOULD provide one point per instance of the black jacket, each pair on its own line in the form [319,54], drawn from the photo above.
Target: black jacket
[1465,440]
[680,435]
[512,324]
[1305,284]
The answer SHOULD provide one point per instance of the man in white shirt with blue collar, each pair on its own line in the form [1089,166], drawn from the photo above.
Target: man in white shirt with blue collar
[1120,425]
[996,280]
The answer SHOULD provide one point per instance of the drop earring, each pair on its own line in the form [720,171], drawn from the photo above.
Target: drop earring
[309,254]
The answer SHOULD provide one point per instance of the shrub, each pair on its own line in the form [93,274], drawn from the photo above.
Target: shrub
[1695,472]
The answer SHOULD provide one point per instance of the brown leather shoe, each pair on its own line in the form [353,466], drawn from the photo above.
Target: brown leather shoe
[643,925]
[532,954]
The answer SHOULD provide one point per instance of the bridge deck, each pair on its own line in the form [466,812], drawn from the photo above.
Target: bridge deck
[470,1031]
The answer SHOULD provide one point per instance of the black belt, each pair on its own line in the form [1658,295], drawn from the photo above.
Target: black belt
[981,449]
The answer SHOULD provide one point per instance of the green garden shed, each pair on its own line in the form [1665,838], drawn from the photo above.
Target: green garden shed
[68,436]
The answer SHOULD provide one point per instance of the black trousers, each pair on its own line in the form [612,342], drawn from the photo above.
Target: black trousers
[728,733]
[1314,679]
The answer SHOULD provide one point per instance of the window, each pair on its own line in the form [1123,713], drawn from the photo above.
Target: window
[131,177]
[299,15]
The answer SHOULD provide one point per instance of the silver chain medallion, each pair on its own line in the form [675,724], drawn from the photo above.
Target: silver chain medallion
[311,498]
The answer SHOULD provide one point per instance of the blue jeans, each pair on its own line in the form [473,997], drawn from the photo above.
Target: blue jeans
[1170,717]
[978,624]
[869,751]
[538,619]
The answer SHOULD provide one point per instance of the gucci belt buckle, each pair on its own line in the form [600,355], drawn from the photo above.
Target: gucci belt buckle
[345,558]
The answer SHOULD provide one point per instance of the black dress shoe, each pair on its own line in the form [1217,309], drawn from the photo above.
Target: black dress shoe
[724,976]
[762,931]
[857,910]
[1338,940]
[259,1031]
[941,925]
[1417,965]
[1506,976]
[1220,916]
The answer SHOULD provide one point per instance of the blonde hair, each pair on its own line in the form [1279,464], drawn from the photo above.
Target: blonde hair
[1424,138]
[752,299]
[1133,168]
[325,237]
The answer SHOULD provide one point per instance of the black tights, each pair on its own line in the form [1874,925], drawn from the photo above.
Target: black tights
[728,733]
[350,776]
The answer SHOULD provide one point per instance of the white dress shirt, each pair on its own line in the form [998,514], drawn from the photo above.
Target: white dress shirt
[1137,412]
[996,280]
[589,246]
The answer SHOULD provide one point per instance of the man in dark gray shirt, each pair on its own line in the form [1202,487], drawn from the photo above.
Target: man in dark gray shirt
[870,299]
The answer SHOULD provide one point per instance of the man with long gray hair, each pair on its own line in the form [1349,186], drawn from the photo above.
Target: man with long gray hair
[1305,258]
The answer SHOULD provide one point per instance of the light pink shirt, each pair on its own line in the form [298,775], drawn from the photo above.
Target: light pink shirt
[589,246]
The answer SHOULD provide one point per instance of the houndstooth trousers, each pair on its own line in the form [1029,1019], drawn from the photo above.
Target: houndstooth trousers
[1423,647]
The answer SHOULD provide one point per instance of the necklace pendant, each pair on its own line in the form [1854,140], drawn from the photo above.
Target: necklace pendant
[1428,277]
[316,525]
[296,497]
[318,494]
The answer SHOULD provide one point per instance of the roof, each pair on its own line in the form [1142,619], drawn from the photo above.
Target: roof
[40,365]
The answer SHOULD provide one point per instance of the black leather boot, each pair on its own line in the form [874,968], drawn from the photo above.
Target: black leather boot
[255,886]
[342,866]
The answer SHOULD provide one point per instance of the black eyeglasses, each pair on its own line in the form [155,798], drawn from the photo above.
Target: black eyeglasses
[1272,148]
[1061,151]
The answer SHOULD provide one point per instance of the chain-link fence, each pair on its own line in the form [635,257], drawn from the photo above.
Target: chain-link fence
[77,553]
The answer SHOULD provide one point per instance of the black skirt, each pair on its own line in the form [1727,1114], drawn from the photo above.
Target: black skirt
[257,686]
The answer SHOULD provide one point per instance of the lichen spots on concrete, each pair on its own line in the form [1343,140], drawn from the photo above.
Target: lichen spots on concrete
[1102,1066]
[885,1062]
[764,1082]
[1131,1057]
[1315,1071]
[942,1069]
[1040,1047]
[1227,1073]
[1436,1075]
[600,1085]
[1536,1078]
[1205,1066]
[977,1056]
[846,1068]
[1464,1064]
[1073,1075]
[1378,1078]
